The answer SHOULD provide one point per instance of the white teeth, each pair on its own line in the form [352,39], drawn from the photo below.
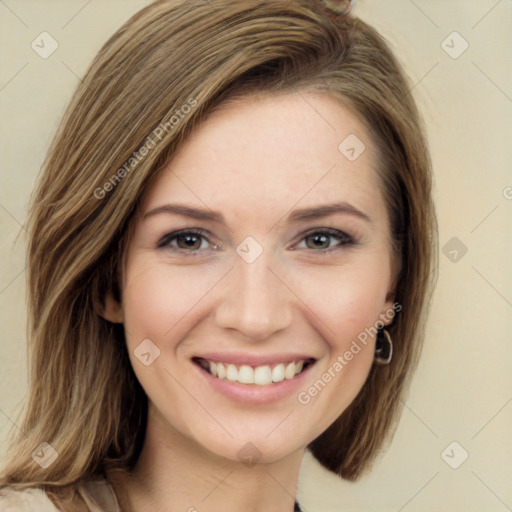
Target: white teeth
[278,373]
[259,375]
[289,372]
[221,371]
[263,375]
[246,375]
[232,373]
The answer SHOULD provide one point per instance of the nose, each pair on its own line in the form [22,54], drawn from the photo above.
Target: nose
[255,301]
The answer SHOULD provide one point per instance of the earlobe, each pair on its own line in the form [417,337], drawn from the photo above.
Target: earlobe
[111,310]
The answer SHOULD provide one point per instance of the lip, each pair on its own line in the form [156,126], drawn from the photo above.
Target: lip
[252,393]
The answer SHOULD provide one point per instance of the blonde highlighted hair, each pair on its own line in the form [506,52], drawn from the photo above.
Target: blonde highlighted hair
[84,399]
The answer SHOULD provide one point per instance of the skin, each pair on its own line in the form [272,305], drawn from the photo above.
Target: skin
[255,161]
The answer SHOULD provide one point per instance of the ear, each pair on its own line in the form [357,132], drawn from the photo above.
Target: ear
[390,307]
[111,310]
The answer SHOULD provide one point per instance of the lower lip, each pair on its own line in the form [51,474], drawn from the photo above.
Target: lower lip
[252,393]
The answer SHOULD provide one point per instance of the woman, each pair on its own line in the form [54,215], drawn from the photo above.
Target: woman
[231,254]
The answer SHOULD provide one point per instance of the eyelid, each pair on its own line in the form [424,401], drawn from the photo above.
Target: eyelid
[344,240]
[342,236]
[201,233]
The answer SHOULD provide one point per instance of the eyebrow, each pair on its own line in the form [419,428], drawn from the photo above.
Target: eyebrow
[326,210]
[300,215]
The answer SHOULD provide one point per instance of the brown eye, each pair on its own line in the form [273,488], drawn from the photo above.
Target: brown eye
[188,241]
[318,241]
[322,240]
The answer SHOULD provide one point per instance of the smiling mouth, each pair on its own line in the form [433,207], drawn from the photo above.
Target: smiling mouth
[263,375]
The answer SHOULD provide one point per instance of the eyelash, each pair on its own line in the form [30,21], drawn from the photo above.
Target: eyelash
[344,238]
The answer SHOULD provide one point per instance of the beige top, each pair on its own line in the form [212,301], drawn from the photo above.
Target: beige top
[98,496]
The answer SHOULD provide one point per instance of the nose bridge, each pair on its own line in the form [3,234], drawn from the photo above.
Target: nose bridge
[256,302]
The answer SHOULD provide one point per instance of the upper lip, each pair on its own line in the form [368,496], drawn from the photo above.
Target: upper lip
[239,358]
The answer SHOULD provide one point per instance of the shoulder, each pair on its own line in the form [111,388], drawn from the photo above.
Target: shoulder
[99,495]
[95,495]
[28,500]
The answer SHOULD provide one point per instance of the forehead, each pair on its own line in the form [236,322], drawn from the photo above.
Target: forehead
[267,153]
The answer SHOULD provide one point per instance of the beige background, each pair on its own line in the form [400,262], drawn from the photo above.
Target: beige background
[462,390]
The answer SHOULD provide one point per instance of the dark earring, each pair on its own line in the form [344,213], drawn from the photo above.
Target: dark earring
[383,347]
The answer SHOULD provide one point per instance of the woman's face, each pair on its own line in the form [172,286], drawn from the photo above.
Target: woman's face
[262,248]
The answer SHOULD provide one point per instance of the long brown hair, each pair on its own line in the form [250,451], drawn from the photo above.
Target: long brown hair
[156,79]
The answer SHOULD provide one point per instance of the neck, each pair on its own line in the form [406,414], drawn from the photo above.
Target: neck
[172,469]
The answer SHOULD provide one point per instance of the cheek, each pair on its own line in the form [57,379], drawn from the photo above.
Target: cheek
[158,303]
[347,303]
[157,297]
[146,307]
[345,300]
[351,312]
